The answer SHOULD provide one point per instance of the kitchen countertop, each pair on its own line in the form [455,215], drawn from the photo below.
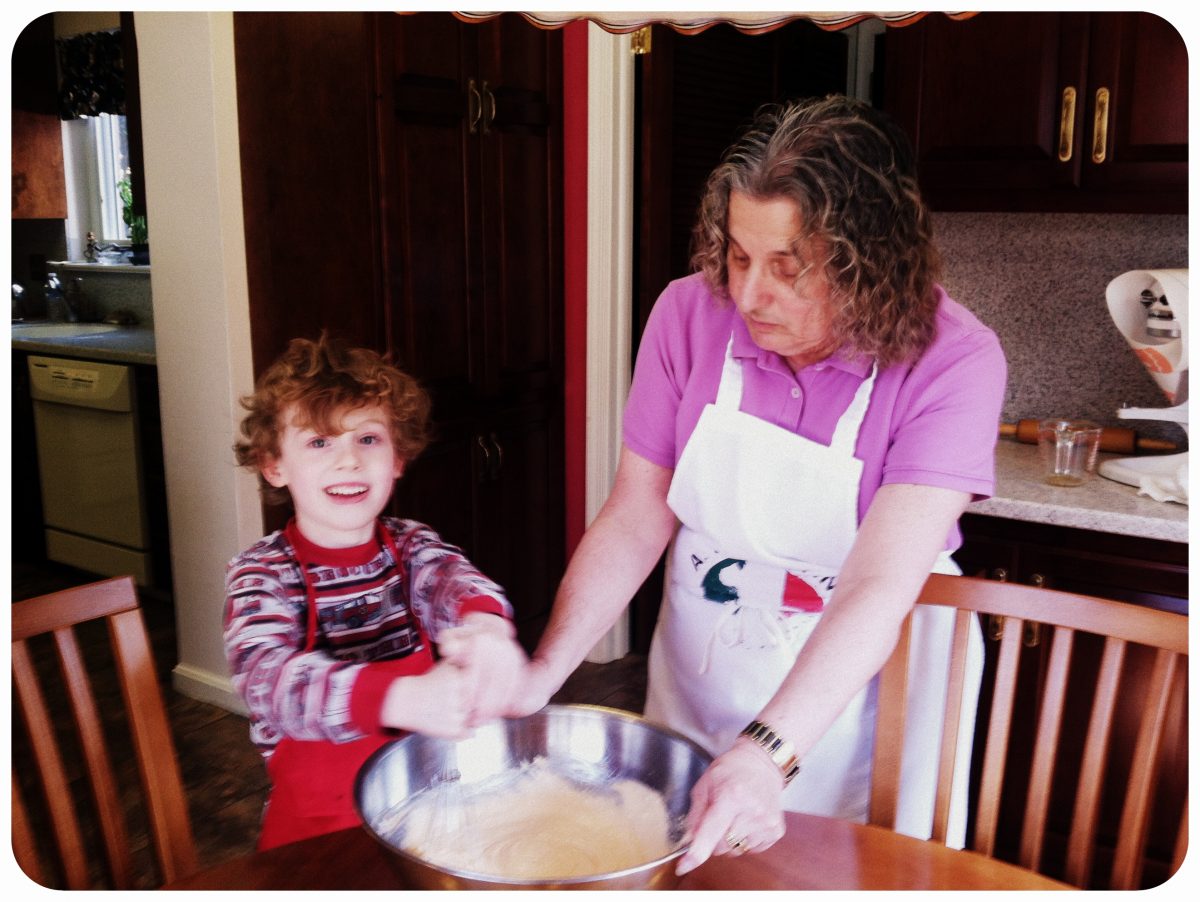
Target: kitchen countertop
[1100,504]
[127,344]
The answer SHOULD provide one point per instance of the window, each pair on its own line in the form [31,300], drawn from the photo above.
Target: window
[96,157]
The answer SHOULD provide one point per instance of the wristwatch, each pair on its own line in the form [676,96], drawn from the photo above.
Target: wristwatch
[782,752]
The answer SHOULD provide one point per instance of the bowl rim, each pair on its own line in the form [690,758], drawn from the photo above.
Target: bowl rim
[517,883]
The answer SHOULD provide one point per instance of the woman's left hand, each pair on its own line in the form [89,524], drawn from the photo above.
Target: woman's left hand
[736,806]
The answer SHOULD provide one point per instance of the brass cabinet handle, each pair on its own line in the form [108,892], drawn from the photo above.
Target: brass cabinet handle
[1031,634]
[474,105]
[1066,125]
[1100,126]
[487,459]
[492,463]
[499,455]
[491,114]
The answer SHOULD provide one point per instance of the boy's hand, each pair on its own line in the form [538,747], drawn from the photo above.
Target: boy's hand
[485,649]
[434,703]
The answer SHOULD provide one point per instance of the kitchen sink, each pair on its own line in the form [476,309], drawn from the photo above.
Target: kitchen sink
[60,330]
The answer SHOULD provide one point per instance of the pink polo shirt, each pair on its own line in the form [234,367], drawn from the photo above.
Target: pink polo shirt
[929,423]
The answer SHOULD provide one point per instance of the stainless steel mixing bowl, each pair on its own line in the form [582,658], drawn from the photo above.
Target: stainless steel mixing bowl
[595,745]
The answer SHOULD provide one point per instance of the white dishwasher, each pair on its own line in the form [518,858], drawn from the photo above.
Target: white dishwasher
[90,466]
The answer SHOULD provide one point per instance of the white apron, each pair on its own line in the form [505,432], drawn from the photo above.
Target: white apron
[768,518]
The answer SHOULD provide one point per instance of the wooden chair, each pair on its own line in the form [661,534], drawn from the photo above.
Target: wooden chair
[48,734]
[1085,785]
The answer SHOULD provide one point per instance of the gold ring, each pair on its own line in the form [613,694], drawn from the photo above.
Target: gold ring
[734,842]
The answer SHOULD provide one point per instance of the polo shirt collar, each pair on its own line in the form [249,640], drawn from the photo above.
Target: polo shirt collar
[744,347]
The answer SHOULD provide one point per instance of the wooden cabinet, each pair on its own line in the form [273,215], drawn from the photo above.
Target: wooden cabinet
[435,148]
[39,188]
[1044,111]
[473,170]
[1124,568]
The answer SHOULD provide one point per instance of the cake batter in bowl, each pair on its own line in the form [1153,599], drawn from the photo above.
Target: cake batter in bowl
[574,796]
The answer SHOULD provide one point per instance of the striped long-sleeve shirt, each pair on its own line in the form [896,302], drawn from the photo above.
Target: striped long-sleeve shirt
[370,609]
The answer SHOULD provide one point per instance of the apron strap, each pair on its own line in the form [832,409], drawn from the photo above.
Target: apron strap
[729,392]
[845,436]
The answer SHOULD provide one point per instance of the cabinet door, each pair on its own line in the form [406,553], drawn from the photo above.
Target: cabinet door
[1002,110]
[520,140]
[1141,61]
[309,148]
[981,100]
[39,188]
[432,189]
[519,532]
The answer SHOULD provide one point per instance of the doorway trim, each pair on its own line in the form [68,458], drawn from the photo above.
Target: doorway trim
[610,278]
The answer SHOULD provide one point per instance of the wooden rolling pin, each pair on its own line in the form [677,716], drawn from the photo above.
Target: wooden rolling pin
[1117,439]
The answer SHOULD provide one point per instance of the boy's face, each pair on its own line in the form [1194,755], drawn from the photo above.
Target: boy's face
[339,483]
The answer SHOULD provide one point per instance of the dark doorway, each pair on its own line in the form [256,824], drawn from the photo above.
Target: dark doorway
[694,94]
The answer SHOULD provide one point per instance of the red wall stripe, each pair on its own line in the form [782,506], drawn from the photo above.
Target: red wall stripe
[575,150]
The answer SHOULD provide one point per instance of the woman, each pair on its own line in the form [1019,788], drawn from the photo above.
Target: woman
[810,414]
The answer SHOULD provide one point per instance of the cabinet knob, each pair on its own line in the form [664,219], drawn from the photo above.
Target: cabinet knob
[1000,575]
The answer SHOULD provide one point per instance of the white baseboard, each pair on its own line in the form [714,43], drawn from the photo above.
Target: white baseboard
[206,686]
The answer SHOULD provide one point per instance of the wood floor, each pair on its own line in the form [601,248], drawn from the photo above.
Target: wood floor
[223,775]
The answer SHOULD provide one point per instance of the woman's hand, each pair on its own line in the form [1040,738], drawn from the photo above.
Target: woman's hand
[485,649]
[736,806]
[533,693]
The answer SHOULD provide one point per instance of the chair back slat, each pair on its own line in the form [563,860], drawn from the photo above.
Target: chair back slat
[1065,691]
[161,779]
[1181,840]
[49,763]
[999,725]
[892,703]
[115,602]
[1135,817]
[1082,841]
[24,846]
[95,756]
[1045,749]
[955,683]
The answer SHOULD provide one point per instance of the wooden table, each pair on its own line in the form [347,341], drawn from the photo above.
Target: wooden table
[816,853]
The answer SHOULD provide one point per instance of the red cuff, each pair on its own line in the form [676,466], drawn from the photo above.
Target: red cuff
[483,603]
[371,685]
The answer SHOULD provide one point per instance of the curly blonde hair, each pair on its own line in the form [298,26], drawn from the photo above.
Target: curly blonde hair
[849,170]
[322,381]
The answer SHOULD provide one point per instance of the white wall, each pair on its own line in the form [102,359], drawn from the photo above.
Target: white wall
[201,318]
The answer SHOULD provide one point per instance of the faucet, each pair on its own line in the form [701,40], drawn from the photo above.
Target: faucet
[58,308]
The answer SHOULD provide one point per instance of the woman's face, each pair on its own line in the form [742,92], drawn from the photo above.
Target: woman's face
[785,301]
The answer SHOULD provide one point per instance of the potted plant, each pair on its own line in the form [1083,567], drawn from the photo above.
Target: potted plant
[135,223]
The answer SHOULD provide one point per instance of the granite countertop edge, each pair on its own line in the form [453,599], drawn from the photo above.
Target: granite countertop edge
[1100,505]
[132,344]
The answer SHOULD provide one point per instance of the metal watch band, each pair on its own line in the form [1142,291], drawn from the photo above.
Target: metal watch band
[781,750]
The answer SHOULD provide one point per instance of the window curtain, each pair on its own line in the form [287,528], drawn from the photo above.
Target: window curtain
[691,23]
[91,75]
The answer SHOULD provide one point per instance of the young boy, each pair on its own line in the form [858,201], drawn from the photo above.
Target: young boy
[329,623]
